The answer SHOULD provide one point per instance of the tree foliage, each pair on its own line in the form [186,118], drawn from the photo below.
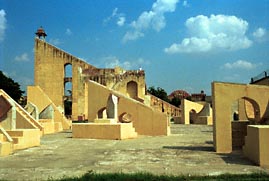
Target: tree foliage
[11,87]
[159,92]
[175,101]
[162,94]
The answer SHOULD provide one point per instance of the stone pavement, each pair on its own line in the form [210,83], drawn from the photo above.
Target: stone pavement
[188,150]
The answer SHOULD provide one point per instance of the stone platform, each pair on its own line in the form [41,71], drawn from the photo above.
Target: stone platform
[111,131]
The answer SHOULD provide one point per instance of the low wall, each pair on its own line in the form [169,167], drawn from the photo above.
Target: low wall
[116,131]
[207,120]
[177,120]
[256,146]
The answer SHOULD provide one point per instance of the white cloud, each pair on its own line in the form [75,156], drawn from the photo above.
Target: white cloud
[120,18]
[3,24]
[55,41]
[261,34]
[185,4]
[132,36]
[112,62]
[121,21]
[153,19]
[240,64]
[114,13]
[22,58]
[214,32]
[68,32]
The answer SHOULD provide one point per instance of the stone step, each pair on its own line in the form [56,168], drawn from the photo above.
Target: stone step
[18,140]
[15,133]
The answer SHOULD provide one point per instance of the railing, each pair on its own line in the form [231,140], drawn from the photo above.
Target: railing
[102,79]
[260,76]
[164,106]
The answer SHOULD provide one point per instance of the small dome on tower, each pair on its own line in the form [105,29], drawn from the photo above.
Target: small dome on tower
[41,33]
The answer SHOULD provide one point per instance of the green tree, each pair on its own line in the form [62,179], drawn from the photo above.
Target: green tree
[159,92]
[11,87]
[175,101]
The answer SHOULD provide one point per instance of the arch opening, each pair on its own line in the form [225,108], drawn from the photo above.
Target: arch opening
[132,89]
[193,116]
[68,70]
[68,90]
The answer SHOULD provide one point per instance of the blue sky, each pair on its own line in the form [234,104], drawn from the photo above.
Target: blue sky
[180,44]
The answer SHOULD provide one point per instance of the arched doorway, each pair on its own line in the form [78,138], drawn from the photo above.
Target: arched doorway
[132,90]
[193,116]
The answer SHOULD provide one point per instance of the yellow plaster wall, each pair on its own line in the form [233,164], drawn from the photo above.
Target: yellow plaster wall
[146,121]
[223,95]
[48,125]
[256,144]
[242,113]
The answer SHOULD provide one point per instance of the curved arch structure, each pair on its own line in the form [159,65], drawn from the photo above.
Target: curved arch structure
[223,96]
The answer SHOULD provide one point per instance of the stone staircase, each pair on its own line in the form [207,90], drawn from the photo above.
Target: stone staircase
[32,123]
[17,137]
[129,131]
[24,138]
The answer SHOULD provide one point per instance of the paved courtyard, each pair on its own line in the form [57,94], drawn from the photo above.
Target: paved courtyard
[188,150]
